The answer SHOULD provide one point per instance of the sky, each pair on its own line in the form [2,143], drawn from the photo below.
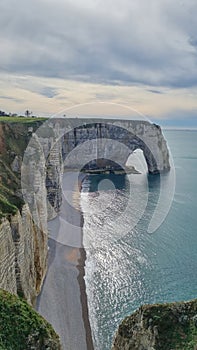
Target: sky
[56,54]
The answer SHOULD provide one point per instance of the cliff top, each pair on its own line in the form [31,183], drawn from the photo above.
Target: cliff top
[21,327]
[15,134]
[20,119]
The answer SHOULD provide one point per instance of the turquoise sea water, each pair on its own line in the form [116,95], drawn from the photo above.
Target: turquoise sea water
[137,267]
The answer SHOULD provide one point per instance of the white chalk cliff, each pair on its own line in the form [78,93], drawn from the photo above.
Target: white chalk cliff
[58,142]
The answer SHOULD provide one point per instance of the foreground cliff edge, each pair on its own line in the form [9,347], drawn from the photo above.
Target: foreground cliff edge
[22,328]
[23,250]
[171,326]
[23,245]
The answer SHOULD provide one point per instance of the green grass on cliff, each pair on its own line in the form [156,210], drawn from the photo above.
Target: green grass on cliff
[9,202]
[24,120]
[14,138]
[22,328]
[176,324]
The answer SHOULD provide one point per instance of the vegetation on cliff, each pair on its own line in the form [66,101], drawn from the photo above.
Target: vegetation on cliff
[171,326]
[22,328]
[15,133]
[23,246]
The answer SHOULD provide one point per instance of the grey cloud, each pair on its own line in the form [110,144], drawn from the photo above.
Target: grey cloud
[48,92]
[105,96]
[120,42]
[18,100]
[193,42]
[155,91]
[36,86]
[6,97]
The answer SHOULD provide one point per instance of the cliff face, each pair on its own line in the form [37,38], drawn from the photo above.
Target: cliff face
[23,240]
[159,327]
[32,158]
[23,255]
[23,244]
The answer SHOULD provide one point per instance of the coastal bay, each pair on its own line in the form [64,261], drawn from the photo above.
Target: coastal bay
[142,268]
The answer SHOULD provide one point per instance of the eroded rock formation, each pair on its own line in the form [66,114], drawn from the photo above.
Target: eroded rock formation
[23,244]
[170,326]
[23,255]
[115,140]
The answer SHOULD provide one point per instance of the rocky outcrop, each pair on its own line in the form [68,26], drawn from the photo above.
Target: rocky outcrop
[23,243]
[23,255]
[159,327]
[7,258]
[89,140]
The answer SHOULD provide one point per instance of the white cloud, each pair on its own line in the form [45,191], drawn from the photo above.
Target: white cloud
[46,96]
[57,53]
[125,42]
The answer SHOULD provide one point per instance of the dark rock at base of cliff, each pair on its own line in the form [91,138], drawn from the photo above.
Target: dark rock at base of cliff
[170,326]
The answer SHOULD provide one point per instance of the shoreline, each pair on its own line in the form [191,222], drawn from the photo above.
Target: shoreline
[63,299]
[84,299]
[81,281]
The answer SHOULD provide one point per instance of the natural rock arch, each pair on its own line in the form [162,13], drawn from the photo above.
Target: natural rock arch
[116,140]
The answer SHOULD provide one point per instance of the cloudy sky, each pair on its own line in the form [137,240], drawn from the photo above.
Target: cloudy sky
[59,53]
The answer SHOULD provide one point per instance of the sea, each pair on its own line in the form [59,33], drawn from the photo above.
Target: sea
[127,265]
